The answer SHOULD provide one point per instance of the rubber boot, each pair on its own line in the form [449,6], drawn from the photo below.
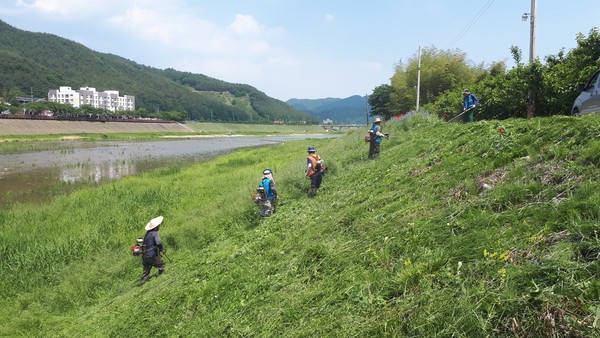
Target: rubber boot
[313,192]
[143,280]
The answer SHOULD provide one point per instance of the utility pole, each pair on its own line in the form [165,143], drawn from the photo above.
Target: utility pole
[367,107]
[419,79]
[531,94]
[532,32]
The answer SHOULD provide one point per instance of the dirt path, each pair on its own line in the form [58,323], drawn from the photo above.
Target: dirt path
[34,127]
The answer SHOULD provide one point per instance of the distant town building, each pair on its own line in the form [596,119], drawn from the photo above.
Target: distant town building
[108,99]
[279,121]
[327,121]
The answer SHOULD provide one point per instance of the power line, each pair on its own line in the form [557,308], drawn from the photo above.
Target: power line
[471,23]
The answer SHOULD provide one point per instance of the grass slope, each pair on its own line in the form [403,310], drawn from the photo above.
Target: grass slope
[477,230]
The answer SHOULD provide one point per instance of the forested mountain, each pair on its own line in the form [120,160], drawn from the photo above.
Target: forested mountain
[352,109]
[33,63]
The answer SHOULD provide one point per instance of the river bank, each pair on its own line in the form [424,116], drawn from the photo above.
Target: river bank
[35,127]
[52,168]
[9,128]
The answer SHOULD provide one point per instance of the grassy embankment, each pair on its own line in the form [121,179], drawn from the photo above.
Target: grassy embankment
[457,230]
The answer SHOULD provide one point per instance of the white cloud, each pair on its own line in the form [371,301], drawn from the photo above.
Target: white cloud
[66,8]
[178,31]
[245,26]
[240,52]
[181,31]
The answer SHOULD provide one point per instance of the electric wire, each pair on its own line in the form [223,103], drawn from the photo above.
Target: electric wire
[471,23]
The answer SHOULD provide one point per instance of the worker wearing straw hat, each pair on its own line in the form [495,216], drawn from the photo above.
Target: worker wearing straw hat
[151,249]
[375,142]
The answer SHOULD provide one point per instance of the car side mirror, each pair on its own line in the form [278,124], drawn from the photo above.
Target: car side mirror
[580,87]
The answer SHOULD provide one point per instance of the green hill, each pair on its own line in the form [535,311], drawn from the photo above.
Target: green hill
[33,63]
[488,229]
[352,109]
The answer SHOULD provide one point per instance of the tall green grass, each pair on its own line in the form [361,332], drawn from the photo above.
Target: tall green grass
[456,230]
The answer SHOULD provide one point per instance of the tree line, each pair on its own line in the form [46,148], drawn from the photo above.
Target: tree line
[503,93]
[86,111]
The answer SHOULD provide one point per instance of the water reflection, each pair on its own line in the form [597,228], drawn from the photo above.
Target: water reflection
[97,172]
[37,176]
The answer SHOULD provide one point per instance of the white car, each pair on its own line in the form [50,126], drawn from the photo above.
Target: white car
[588,100]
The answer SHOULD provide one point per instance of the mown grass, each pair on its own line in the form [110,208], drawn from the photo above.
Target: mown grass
[456,230]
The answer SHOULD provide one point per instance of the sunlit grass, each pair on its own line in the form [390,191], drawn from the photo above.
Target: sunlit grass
[410,245]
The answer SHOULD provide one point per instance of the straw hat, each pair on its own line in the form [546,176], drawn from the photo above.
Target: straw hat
[377,119]
[154,223]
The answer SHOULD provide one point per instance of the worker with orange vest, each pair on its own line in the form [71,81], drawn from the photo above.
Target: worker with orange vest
[314,170]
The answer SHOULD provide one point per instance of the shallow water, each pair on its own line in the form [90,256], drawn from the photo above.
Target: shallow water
[40,175]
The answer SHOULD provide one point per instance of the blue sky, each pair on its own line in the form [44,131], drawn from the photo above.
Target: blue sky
[305,49]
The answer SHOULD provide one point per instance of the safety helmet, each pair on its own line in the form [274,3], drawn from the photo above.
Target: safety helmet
[267,171]
[311,149]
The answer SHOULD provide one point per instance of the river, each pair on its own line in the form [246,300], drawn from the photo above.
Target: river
[40,175]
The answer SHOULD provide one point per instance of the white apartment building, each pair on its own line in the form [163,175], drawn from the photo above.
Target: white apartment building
[108,99]
[64,95]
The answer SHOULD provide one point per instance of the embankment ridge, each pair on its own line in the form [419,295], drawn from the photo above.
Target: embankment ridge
[35,127]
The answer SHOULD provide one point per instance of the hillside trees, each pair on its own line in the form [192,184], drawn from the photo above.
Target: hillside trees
[61,109]
[261,107]
[441,71]
[563,72]
[381,102]
[33,63]
[555,82]
[503,93]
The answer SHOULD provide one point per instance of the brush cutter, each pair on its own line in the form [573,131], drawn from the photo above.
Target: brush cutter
[164,253]
[461,114]
[369,136]
[136,249]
